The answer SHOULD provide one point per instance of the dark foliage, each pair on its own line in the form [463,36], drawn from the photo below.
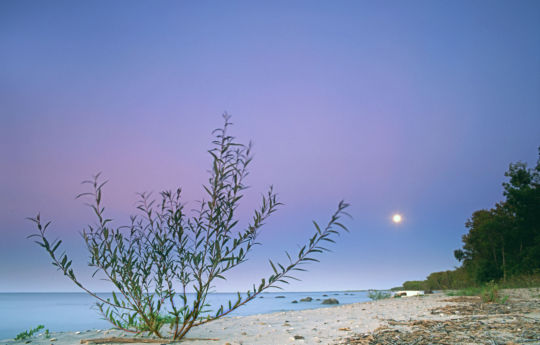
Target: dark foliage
[503,243]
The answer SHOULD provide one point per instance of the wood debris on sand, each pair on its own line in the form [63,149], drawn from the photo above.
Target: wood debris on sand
[472,322]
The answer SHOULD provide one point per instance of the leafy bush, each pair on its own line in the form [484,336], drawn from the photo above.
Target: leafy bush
[414,285]
[153,261]
[27,334]
[455,279]
[377,294]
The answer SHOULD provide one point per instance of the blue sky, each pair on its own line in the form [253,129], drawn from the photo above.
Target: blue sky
[413,107]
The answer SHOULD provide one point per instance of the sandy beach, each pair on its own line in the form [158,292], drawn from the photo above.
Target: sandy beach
[404,320]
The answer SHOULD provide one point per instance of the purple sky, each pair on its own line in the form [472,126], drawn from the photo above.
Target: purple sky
[416,107]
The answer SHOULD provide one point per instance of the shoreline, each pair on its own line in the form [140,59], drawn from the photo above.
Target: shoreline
[72,312]
[357,323]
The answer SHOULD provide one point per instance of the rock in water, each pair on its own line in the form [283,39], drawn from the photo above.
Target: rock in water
[306,299]
[330,301]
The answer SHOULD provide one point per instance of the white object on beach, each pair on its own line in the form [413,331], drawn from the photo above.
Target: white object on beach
[409,293]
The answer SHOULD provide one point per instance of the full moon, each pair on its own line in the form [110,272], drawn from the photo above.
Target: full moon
[396,218]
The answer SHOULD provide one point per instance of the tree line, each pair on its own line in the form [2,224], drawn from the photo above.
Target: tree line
[503,242]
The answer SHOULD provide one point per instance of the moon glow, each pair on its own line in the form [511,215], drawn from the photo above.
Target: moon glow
[396,218]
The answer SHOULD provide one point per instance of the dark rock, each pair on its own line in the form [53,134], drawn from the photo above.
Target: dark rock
[280,296]
[325,295]
[298,337]
[295,301]
[330,301]
[306,299]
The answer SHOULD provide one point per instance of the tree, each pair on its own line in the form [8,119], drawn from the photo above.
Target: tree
[153,261]
[505,240]
[522,194]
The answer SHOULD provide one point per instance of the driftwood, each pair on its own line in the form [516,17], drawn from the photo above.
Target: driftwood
[137,340]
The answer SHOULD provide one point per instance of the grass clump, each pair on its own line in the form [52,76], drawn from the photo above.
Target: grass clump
[470,291]
[375,295]
[489,293]
[153,262]
[29,333]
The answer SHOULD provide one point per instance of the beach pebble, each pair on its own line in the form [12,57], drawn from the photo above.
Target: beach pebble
[52,339]
[77,332]
[296,337]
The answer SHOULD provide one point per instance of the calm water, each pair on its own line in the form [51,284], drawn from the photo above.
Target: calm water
[75,312]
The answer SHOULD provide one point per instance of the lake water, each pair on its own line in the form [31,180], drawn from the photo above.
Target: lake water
[75,311]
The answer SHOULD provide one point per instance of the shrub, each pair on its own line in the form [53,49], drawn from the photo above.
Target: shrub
[154,260]
[490,293]
[377,294]
[29,333]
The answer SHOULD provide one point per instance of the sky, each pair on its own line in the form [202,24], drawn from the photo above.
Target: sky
[413,107]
